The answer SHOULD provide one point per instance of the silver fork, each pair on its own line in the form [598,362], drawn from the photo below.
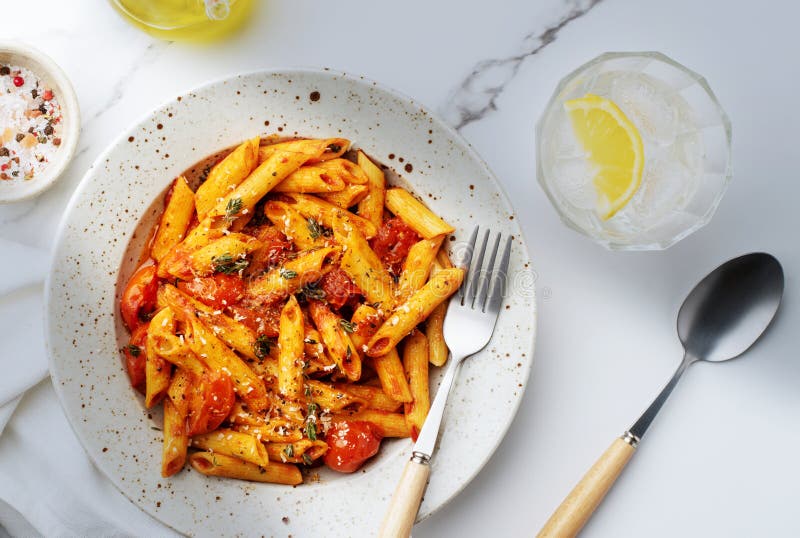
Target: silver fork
[468,327]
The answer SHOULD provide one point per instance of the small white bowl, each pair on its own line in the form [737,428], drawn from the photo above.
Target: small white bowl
[16,53]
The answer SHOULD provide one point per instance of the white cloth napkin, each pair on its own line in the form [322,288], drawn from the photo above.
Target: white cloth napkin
[48,485]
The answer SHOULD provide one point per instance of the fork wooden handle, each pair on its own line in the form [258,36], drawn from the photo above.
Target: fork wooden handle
[575,510]
[403,509]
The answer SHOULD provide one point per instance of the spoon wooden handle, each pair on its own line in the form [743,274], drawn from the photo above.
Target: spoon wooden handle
[573,513]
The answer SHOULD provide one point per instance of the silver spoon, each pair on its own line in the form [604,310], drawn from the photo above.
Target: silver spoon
[720,319]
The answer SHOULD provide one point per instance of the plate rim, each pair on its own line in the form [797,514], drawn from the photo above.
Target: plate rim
[452,133]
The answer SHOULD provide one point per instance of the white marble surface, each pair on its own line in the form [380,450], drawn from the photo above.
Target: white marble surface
[721,460]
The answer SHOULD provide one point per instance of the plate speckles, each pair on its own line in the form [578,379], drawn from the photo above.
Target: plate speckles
[92,260]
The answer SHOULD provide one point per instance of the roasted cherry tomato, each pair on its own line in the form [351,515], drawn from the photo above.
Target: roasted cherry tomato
[392,243]
[264,320]
[274,248]
[217,291]
[350,444]
[139,298]
[136,357]
[338,288]
[210,402]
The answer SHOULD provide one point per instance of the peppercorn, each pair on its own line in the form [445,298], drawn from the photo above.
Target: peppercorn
[48,130]
[34,93]
[5,70]
[19,137]
[4,152]
[56,141]
[42,109]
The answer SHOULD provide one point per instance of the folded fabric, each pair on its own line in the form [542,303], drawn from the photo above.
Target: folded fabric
[46,476]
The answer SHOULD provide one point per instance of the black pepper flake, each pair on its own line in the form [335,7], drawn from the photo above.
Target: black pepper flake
[4,152]
[314,96]
[5,70]
[34,93]
[42,109]
[48,130]
[19,137]
[160,126]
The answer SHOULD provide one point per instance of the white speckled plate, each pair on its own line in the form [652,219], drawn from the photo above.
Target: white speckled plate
[103,232]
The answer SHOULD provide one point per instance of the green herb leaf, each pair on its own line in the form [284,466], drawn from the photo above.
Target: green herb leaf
[289,451]
[227,264]
[308,391]
[307,459]
[262,346]
[288,274]
[311,291]
[312,408]
[133,350]
[314,229]
[349,354]
[311,430]
[232,209]
[348,326]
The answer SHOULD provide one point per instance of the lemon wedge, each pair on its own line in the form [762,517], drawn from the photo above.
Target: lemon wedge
[614,147]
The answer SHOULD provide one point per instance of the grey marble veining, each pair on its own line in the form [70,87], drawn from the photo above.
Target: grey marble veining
[477,94]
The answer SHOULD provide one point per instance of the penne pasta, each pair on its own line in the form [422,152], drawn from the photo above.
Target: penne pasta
[311,179]
[176,440]
[371,206]
[307,267]
[305,232]
[291,346]
[333,398]
[226,176]
[390,424]
[336,339]
[414,311]
[415,361]
[415,214]
[157,375]
[417,266]
[363,266]
[232,443]
[224,255]
[347,197]
[175,221]
[334,148]
[437,348]
[374,397]
[212,464]
[297,452]
[325,213]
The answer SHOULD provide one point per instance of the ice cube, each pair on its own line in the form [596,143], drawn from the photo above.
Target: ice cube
[647,104]
[664,189]
[573,179]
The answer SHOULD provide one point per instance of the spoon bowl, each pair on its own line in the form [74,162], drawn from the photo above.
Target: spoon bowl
[728,310]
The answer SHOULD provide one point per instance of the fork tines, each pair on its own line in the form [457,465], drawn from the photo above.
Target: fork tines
[484,286]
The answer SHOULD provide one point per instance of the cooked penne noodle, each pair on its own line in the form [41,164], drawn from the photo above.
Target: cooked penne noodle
[223,254]
[388,367]
[334,148]
[216,354]
[363,266]
[374,397]
[226,175]
[443,260]
[390,424]
[175,221]
[415,362]
[437,348]
[415,214]
[306,234]
[333,398]
[408,315]
[236,335]
[417,267]
[325,213]
[232,443]
[336,340]
[212,464]
[371,207]
[157,375]
[307,267]
[294,452]
[311,179]
[162,342]
[347,197]
[348,171]
[176,441]
[237,206]
[290,346]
